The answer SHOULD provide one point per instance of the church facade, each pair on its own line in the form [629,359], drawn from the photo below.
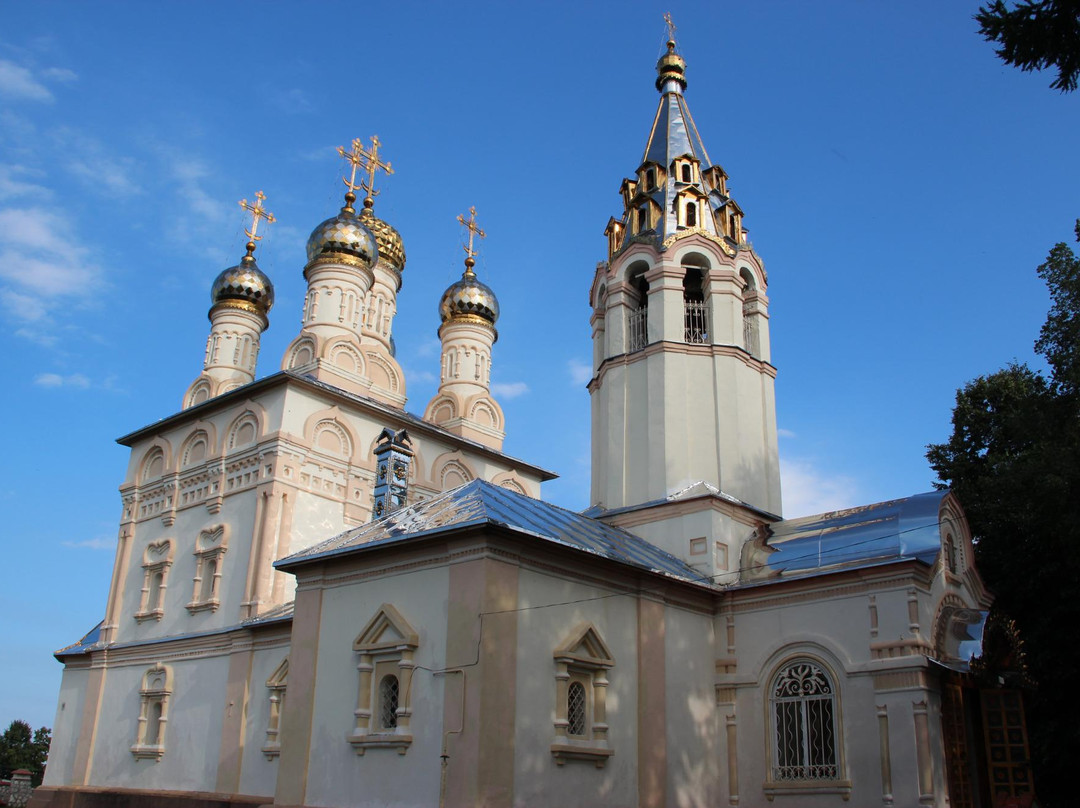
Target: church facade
[320,599]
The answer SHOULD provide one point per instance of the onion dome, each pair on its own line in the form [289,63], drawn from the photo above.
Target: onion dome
[388,240]
[244,284]
[344,238]
[469,298]
[671,67]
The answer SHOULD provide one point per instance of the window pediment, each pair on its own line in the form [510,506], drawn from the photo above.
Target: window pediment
[386,631]
[585,646]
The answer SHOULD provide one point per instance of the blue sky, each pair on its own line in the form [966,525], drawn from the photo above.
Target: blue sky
[900,183]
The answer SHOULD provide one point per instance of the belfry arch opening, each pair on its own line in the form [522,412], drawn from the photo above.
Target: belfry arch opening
[751,340]
[637,326]
[695,310]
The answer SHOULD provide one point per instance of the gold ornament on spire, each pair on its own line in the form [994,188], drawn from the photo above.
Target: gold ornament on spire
[670,28]
[257,212]
[474,230]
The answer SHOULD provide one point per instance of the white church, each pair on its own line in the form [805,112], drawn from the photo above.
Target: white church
[457,641]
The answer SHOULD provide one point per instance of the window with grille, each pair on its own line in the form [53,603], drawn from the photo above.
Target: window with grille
[803,703]
[576,709]
[388,702]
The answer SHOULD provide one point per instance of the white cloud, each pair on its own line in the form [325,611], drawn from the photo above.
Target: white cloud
[18,82]
[509,389]
[806,489]
[11,186]
[23,307]
[61,74]
[580,372]
[56,380]
[429,347]
[785,433]
[112,176]
[40,267]
[99,543]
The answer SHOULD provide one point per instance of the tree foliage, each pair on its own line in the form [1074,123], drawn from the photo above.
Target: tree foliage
[1035,35]
[21,748]
[1014,461]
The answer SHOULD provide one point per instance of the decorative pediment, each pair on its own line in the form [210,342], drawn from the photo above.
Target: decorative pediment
[280,676]
[158,552]
[386,631]
[584,645]
[211,538]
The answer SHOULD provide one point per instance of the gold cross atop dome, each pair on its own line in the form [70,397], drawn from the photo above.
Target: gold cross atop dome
[368,161]
[474,230]
[257,212]
[670,27]
[373,164]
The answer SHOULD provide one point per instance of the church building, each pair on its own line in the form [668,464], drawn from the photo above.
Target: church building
[322,599]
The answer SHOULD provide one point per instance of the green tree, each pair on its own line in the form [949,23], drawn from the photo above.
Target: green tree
[1014,461]
[20,748]
[1035,35]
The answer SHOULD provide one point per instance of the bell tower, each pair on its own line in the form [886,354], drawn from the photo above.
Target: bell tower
[684,446]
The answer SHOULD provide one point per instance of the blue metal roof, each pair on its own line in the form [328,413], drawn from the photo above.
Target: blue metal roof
[480,503]
[84,645]
[869,534]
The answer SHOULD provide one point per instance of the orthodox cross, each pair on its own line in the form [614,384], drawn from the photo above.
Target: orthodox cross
[372,163]
[474,230]
[355,158]
[257,212]
[670,27]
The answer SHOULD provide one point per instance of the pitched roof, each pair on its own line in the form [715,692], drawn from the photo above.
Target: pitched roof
[478,504]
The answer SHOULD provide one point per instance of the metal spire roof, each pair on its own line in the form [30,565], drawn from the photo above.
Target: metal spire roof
[660,183]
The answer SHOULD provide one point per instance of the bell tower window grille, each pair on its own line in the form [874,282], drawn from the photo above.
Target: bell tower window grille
[695,310]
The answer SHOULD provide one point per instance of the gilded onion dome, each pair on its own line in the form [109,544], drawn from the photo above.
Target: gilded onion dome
[388,240]
[670,67]
[246,284]
[469,298]
[343,239]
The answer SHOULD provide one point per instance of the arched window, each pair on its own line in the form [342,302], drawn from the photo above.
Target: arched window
[750,321]
[650,180]
[686,173]
[642,219]
[582,663]
[157,558]
[576,703]
[695,312]
[804,723]
[388,701]
[153,713]
[383,710]
[277,684]
[691,214]
[637,331]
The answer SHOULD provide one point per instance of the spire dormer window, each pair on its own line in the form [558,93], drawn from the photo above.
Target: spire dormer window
[650,179]
[687,173]
[642,219]
[691,212]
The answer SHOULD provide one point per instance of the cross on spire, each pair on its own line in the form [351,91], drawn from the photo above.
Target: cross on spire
[372,163]
[670,27]
[355,158]
[257,212]
[474,230]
